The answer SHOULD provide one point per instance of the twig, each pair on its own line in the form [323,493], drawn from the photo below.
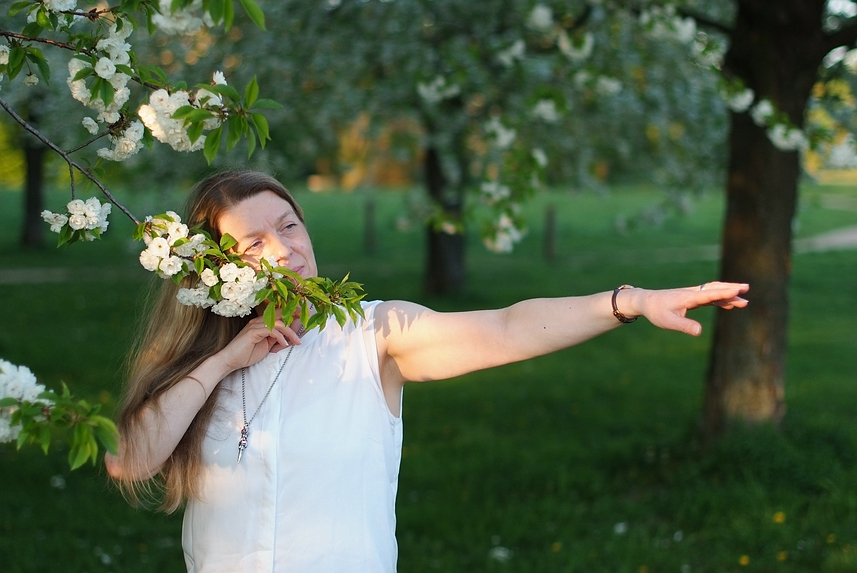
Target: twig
[71,162]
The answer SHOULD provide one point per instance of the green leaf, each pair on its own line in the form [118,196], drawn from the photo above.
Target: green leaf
[251,144]
[199,262]
[84,73]
[32,29]
[270,316]
[228,14]
[106,432]
[106,93]
[16,61]
[251,93]
[316,320]
[6,402]
[340,315]
[267,104]
[261,124]
[305,313]
[17,7]
[184,111]
[227,242]
[225,90]
[215,9]
[35,55]
[234,135]
[45,438]
[254,12]
[42,18]
[195,131]
[65,235]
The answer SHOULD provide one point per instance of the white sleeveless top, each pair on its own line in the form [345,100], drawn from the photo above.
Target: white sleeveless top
[316,487]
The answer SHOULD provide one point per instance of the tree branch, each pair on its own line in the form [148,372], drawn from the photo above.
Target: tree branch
[71,162]
[48,41]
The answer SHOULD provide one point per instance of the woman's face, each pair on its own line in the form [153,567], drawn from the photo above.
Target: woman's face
[266,225]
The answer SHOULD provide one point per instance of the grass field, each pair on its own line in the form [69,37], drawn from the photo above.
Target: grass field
[583,461]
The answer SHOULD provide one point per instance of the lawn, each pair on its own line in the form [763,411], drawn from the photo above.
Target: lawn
[583,461]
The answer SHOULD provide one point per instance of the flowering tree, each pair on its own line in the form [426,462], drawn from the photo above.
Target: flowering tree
[102,69]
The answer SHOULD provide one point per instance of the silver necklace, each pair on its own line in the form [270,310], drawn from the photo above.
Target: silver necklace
[245,429]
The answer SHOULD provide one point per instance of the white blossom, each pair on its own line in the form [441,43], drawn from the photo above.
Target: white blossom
[191,248]
[125,145]
[20,383]
[540,157]
[56,220]
[31,80]
[494,192]
[159,247]
[503,135]
[229,272]
[77,222]
[762,112]
[237,291]
[105,68]
[231,308]
[157,116]
[208,277]
[607,86]
[573,52]
[540,18]
[195,297]
[505,235]
[60,5]
[741,101]
[437,90]
[546,110]
[843,155]
[787,138]
[171,265]
[149,260]
[514,52]
[187,20]
[90,125]
[4,55]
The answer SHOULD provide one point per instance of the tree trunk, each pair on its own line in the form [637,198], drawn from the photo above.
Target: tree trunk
[776,48]
[33,227]
[445,267]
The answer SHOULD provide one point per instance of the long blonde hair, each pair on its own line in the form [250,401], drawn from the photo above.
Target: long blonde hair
[177,339]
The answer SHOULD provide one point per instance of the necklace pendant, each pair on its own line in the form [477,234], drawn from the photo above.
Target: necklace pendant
[242,442]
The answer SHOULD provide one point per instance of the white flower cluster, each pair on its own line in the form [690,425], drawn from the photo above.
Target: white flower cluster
[503,136]
[19,383]
[125,145]
[540,18]
[546,111]
[187,20]
[437,90]
[514,52]
[787,138]
[85,216]
[4,55]
[115,52]
[843,155]
[157,115]
[60,5]
[238,289]
[170,250]
[505,235]
[494,192]
[572,51]
[740,101]
[662,23]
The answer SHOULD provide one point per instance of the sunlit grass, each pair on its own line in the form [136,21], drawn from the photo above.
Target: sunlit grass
[585,460]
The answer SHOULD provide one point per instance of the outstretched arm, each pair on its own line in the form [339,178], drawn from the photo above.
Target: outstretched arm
[418,344]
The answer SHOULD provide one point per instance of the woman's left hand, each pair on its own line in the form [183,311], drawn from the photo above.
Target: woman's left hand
[667,308]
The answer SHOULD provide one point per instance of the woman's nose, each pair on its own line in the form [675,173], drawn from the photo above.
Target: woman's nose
[282,252]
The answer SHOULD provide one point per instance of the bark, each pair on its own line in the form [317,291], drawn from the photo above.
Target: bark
[445,266]
[776,48]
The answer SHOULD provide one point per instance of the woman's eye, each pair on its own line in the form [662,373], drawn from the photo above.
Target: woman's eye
[253,247]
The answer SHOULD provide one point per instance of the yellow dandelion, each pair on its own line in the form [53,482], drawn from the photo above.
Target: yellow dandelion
[782,555]
[779,517]
[556,546]
[831,538]
[744,560]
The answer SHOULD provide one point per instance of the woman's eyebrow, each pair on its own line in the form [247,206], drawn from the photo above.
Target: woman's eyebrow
[257,232]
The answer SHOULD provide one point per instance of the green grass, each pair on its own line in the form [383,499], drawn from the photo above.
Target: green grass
[585,460]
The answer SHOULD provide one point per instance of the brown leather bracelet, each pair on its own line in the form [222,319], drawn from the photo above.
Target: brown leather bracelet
[619,316]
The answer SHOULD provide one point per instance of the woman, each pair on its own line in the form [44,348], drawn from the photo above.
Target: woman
[285,444]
